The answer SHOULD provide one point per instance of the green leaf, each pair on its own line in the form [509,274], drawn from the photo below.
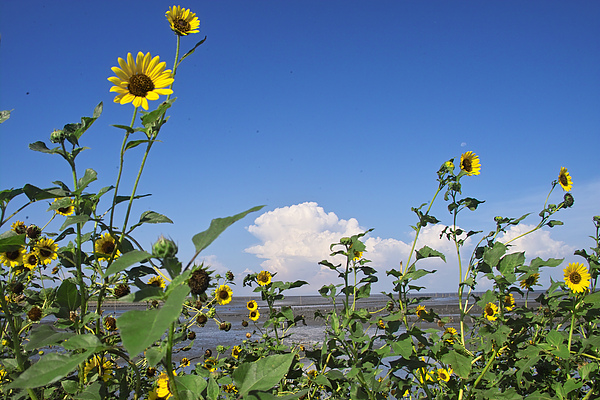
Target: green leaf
[9,194]
[203,239]
[151,217]
[89,177]
[125,127]
[192,50]
[67,295]
[193,383]
[403,347]
[49,369]
[262,374]
[75,219]
[154,355]
[125,261]
[212,391]
[593,298]
[45,335]
[4,115]
[491,256]
[256,395]
[12,242]
[87,341]
[427,251]
[459,363]
[509,262]
[135,143]
[555,338]
[34,193]
[587,369]
[154,322]
[91,392]
[42,148]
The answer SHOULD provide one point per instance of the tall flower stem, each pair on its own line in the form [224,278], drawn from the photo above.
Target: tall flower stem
[169,363]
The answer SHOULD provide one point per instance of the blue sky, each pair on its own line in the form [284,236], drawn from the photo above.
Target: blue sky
[335,115]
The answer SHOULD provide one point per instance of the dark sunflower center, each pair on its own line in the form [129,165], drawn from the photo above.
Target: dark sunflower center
[140,85]
[13,255]
[563,180]
[32,259]
[45,252]
[489,311]
[575,277]
[467,165]
[182,25]
[64,210]
[108,247]
[224,294]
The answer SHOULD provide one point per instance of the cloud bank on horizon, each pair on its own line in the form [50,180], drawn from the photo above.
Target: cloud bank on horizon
[293,239]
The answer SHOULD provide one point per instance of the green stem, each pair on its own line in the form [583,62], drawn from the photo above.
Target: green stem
[169,363]
[571,329]
[485,369]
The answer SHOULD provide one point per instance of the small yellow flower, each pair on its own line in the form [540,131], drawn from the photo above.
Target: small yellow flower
[19,227]
[105,246]
[380,324]
[230,388]
[30,260]
[182,20]
[469,162]
[564,178]
[65,211]
[443,374]
[424,375]
[577,277]
[210,364]
[223,294]
[235,352]
[251,305]
[357,255]
[46,250]
[421,311]
[101,365]
[530,281]
[312,373]
[157,281]
[162,390]
[254,315]
[140,80]
[509,302]
[185,362]
[12,258]
[452,333]
[263,278]
[491,311]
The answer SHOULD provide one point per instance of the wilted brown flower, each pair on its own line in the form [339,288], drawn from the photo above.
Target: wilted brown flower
[199,281]
[110,323]
[201,319]
[121,290]
[191,335]
[207,353]
[33,231]
[35,314]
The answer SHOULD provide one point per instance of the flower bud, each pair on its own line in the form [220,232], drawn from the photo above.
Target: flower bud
[244,323]
[225,326]
[229,275]
[569,200]
[201,319]
[164,248]
[57,136]
[208,353]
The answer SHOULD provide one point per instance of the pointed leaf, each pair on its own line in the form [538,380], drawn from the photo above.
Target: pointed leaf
[12,242]
[45,335]
[125,261]
[459,363]
[262,374]
[89,177]
[4,115]
[75,219]
[34,193]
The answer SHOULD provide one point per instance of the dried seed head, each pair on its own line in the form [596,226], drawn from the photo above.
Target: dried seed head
[199,281]
[35,314]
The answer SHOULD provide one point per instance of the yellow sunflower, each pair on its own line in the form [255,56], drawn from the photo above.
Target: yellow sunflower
[105,247]
[30,260]
[263,278]
[230,388]
[161,391]
[19,227]
[530,281]
[490,311]
[577,277]
[443,374]
[140,80]
[235,352]
[210,364]
[357,255]
[469,162]
[185,362]
[509,302]
[101,365]
[12,258]
[254,315]
[67,209]
[251,305]
[157,281]
[223,294]
[421,311]
[46,250]
[565,179]
[182,20]
[452,333]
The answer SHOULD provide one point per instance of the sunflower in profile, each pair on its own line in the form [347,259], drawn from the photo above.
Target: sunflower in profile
[530,281]
[508,302]
[251,305]
[12,258]
[451,333]
[105,246]
[182,21]
[140,80]
[223,294]
[210,364]
[162,390]
[19,227]
[230,388]
[67,209]
[30,260]
[46,250]
[421,311]
[235,352]
[577,277]
[157,281]
[254,315]
[443,374]
[469,162]
[264,278]
[101,365]
[185,362]
[491,311]
[565,179]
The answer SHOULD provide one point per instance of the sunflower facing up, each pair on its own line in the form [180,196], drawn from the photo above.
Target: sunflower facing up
[182,21]
[577,277]
[105,246]
[491,311]
[251,305]
[469,162]
[223,294]
[46,250]
[30,260]
[254,315]
[565,179]
[140,80]
[263,278]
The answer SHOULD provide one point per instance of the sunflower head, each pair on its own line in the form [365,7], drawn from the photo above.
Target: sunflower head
[30,260]
[421,311]
[121,290]
[12,258]
[182,21]
[19,227]
[157,281]
[185,362]
[469,163]
[140,80]
[46,250]
[210,364]
[263,278]
[530,281]
[35,314]
[230,388]
[235,352]
[443,374]
[491,311]
[100,365]
[223,294]
[162,386]
[199,281]
[63,206]
[564,178]
[110,323]
[509,302]
[254,315]
[450,333]
[577,277]
[251,305]
[106,246]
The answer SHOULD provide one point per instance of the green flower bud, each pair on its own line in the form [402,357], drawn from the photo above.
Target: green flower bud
[211,313]
[569,200]
[164,248]
[57,136]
